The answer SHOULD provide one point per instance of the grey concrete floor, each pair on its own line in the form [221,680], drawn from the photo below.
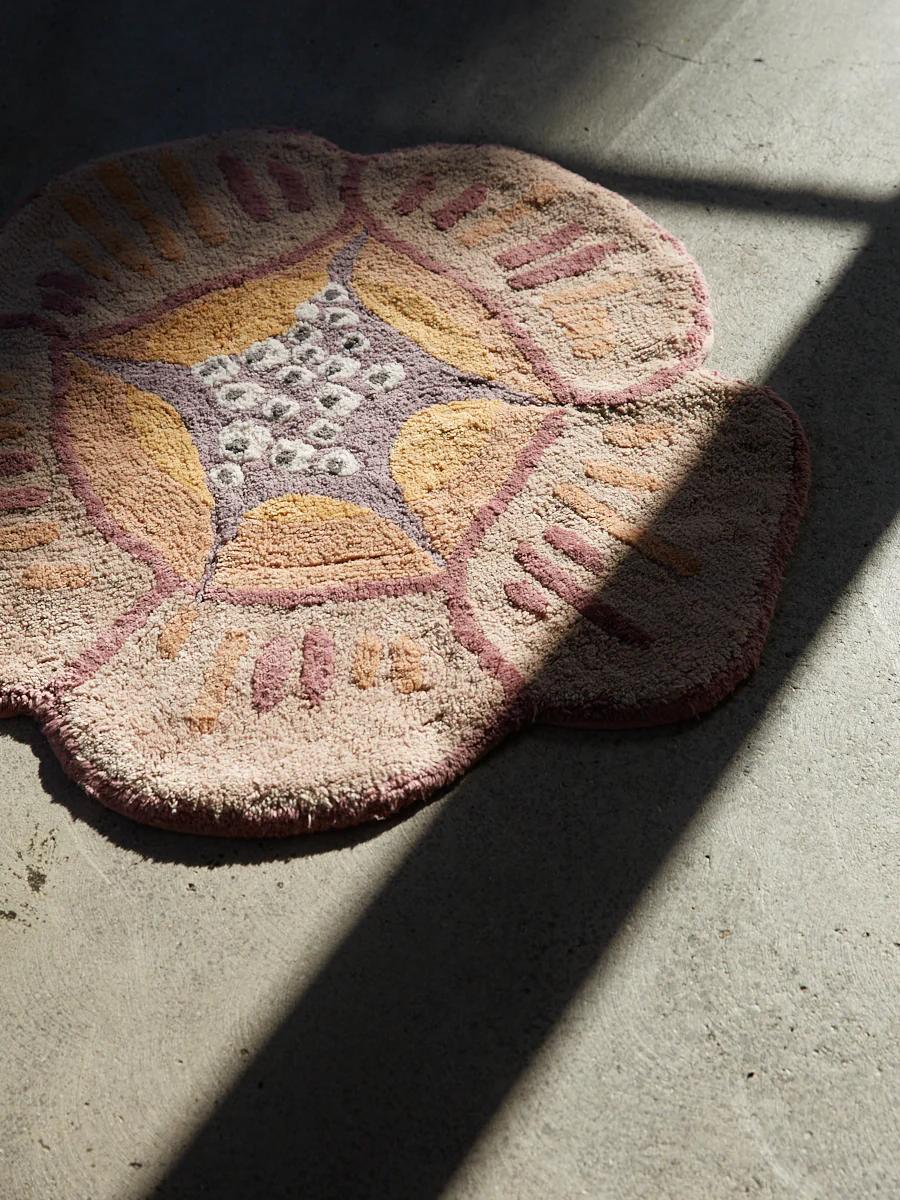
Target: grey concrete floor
[627,966]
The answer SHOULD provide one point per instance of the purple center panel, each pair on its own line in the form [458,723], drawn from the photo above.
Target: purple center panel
[314,411]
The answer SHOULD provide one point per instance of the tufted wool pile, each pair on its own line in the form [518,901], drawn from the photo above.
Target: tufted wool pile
[319,473]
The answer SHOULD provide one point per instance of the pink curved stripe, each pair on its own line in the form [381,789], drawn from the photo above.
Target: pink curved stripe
[470,635]
[81,486]
[463,621]
[111,640]
[304,597]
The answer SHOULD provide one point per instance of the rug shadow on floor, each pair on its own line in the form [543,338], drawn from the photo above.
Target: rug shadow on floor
[405,1046]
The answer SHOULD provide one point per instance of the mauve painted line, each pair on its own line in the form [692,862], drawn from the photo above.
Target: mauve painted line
[66,281]
[317,675]
[410,200]
[523,594]
[579,263]
[20,320]
[568,589]
[243,186]
[17,462]
[270,673]
[61,302]
[305,597]
[291,184]
[23,497]
[520,256]
[111,640]
[575,547]
[550,429]
[471,637]
[460,206]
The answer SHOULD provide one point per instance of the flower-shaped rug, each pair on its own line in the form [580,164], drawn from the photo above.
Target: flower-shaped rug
[321,472]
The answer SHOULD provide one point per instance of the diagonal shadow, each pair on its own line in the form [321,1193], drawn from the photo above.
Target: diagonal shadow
[393,1062]
[357,73]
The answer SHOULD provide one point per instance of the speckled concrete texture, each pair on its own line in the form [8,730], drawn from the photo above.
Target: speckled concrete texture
[605,965]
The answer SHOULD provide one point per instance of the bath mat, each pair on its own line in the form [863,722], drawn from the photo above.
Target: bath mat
[320,473]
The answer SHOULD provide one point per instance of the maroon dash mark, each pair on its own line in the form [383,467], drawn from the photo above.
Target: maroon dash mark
[575,547]
[66,281]
[17,462]
[318,664]
[563,268]
[244,188]
[525,595]
[410,200]
[23,497]
[518,256]
[270,674]
[61,302]
[291,184]
[463,204]
[562,583]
